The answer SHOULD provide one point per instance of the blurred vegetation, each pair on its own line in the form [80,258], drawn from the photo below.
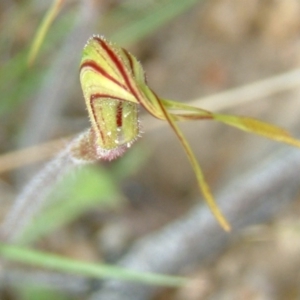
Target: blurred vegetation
[227,44]
[126,22]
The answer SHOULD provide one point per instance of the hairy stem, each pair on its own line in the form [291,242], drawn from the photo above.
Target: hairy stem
[34,196]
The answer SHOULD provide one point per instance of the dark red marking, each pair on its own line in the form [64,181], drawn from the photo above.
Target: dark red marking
[118,64]
[119,117]
[96,67]
[96,121]
[129,59]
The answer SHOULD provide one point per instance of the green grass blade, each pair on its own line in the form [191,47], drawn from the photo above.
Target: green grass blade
[43,29]
[58,263]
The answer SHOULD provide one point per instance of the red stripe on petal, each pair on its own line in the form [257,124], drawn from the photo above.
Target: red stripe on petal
[119,65]
[96,122]
[97,68]
[119,117]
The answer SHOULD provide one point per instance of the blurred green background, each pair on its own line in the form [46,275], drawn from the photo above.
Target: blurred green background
[189,49]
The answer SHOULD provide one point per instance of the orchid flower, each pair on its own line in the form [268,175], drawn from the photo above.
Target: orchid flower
[114,86]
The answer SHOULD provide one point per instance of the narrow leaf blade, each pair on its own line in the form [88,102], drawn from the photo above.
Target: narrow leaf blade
[258,127]
[43,29]
[58,263]
[243,123]
[204,187]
